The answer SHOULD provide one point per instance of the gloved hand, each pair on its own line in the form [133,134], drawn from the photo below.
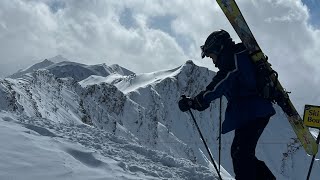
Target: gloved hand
[185,103]
[196,103]
[199,103]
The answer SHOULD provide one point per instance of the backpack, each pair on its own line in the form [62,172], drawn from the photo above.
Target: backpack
[266,86]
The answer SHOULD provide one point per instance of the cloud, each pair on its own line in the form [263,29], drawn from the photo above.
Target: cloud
[146,36]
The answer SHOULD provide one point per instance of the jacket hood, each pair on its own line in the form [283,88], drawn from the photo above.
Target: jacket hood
[227,54]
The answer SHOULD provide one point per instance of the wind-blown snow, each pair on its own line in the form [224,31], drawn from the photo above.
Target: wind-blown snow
[133,127]
[132,82]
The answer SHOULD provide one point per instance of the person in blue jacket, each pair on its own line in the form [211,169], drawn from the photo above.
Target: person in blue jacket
[247,113]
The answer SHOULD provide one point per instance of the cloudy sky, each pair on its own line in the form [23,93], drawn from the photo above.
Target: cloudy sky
[146,36]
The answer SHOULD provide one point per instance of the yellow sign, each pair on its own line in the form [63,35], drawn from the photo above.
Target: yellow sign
[311,116]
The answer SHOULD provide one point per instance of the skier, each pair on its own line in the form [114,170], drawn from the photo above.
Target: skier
[247,113]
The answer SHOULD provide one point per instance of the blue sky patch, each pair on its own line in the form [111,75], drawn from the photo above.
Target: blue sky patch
[314,8]
[127,20]
[163,23]
[55,5]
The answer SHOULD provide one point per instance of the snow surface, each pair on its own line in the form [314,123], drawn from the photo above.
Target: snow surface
[35,148]
[111,123]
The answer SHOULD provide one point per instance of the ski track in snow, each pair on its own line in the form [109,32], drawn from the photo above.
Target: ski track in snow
[132,158]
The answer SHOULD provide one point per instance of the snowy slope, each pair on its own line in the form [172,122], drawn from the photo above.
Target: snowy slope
[35,148]
[142,110]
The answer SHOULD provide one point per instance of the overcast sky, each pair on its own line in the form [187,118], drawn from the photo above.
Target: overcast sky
[152,35]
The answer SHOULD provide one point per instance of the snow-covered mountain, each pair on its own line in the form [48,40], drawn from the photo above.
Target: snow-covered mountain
[65,68]
[126,125]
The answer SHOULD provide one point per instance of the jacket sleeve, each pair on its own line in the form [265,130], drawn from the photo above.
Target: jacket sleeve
[222,80]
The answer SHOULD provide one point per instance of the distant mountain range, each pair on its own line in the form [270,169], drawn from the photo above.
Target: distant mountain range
[143,109]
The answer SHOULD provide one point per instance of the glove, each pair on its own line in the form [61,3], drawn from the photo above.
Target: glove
[185,103]
[199,103]
[196,103]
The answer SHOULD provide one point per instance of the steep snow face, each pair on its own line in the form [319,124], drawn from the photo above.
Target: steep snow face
[143,109]
[41,94]
[7,97]
[141,113]
[150,112]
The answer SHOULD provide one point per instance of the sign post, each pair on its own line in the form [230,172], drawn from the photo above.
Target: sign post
[311,118]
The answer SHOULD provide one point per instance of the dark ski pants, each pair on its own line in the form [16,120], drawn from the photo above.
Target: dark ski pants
[246,166]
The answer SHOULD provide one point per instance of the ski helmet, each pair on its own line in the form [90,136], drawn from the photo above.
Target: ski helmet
[214,43]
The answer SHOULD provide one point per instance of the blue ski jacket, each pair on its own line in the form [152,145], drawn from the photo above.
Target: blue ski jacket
[236,81]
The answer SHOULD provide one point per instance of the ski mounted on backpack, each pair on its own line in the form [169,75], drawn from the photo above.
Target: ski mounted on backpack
[267,79]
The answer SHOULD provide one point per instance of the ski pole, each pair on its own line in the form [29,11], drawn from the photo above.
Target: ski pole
[220,120]
[205,144]
[313,157]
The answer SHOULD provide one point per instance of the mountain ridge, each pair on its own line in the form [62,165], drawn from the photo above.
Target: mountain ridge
[143,109]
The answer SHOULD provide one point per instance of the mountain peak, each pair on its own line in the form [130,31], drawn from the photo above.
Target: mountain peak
[46,61]
[41,65]
[190,62]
